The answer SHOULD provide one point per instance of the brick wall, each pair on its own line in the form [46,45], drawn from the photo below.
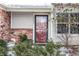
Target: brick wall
[16,32]
[5,30]
[4,25]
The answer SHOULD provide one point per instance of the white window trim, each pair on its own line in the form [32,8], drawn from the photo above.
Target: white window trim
[74,34]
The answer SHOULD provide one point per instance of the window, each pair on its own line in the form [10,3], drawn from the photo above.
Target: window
[62,28]
[68,23]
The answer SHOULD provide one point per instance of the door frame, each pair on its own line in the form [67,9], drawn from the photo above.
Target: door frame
[35,29]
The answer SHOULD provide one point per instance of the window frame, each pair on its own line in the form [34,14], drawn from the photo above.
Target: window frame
[69,23]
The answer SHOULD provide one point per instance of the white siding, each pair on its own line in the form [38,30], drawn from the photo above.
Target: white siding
[22,20]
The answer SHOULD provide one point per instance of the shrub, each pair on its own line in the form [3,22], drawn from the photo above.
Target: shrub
[3,48]
[24,48]
[52,48]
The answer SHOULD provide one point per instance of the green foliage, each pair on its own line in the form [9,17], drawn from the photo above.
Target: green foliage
[52,48]
[24,39]
[3,48]
[2,51]
[39,50]
[21,49]
[25,48]
[2,43]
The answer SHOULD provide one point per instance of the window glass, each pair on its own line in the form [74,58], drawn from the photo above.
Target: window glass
[74,28]
[74,17]
[62,17]
[68,23]
[62,28]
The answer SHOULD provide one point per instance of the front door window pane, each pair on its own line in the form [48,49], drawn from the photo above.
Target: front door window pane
[41,28]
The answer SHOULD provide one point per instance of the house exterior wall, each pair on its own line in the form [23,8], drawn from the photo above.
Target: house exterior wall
[24,23]
[6,30]
[8,24]
[61,8]
[21,23]
[10,27]
[4,25]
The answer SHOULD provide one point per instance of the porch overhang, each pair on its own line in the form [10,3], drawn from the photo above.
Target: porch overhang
[18,8]
[28,10]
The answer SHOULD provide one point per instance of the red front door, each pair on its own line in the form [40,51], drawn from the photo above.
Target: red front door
[41,28]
